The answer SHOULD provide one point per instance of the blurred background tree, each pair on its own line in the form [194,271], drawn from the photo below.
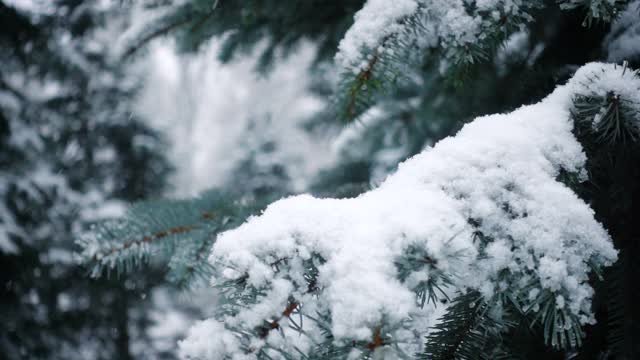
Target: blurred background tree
[71,152]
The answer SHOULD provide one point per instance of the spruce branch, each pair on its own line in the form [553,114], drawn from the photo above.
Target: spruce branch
[274,324]
[612,119]
[376,75]
[189,267]
[362,89]
[468,330]
[596,10]
[177,232]
[460,59]
[401,52]
[361,81]
[434,288]
[180,17]
[607,126]
[239,294]
[382,66]
[561,328]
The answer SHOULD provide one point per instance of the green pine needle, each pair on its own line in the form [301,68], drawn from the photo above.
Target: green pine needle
[469,330]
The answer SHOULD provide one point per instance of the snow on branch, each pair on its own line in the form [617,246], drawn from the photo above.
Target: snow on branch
[390,38]
[377,20]
[387,39]
[483,211]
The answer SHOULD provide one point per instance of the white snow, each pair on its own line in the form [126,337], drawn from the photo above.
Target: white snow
[448,24]
[201,345]
[499,173]
[376,20]
[598,81]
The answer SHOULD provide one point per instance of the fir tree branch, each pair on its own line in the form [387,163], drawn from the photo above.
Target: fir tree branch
[147,239]
[610,118]
[171,23]
[596,10]
[274,324]
[179,232]
[467,331]
[361,80]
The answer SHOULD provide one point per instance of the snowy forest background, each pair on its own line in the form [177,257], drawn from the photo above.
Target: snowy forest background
[103,105]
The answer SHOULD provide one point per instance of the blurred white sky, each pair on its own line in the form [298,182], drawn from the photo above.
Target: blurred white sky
[205,108]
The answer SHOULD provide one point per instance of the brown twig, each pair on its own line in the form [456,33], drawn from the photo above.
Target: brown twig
[361,80]
[275,324]
[377,340]
[147,239]
[161,234]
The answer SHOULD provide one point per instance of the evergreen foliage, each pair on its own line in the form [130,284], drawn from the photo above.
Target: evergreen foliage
[404,101]
[176,232]
[474,326]
[246,24]
[611,144]
[596,10]
[425,42]
[467,331]
[70,153]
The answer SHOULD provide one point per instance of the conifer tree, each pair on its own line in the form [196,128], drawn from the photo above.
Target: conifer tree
[510,239]
[70,153]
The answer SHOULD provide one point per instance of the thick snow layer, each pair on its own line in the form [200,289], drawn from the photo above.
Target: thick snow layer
[497,176]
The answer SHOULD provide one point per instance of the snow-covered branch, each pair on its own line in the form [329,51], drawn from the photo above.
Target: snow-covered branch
[485,207]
